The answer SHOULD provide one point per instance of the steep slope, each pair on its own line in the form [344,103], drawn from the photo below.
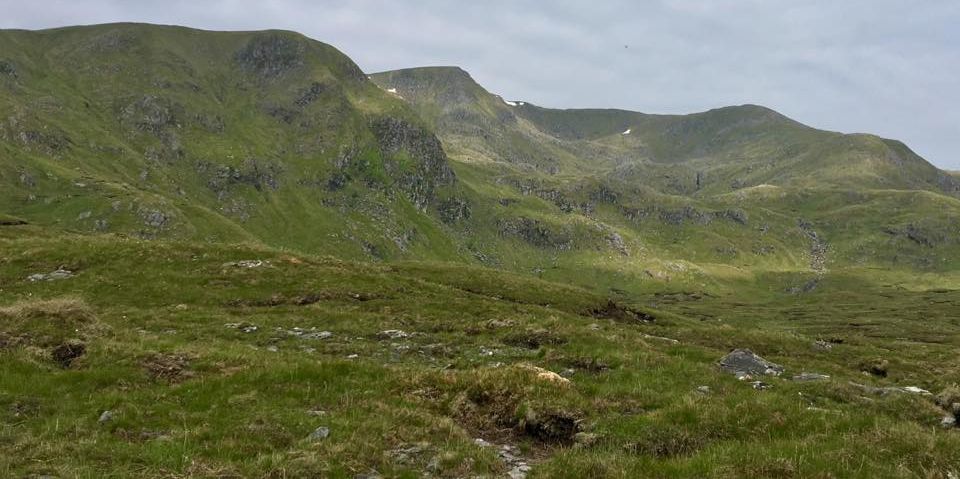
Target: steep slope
[727,148]
[273,138]
[242,136]
[681,197]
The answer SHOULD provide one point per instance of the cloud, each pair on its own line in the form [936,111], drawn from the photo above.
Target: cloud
[879,66]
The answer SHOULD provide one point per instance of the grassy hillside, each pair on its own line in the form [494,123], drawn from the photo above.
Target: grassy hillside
[234,254]
[259,136]
[276,139]
[213,361]
[729,147]
[637,197]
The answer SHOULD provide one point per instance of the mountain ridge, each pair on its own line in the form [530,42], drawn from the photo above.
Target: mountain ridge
[596,123]
[270,137]
[238,255]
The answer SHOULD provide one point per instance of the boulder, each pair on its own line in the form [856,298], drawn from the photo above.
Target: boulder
[105,416]
[319,434]
[743,362]
[60,273]
[393,334]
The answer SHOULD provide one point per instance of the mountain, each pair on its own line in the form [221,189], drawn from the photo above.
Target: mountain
[235,254]
[741,187]
[726,149]
[277,139]
[244,136]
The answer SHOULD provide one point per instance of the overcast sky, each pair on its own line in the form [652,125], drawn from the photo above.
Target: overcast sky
[879,66]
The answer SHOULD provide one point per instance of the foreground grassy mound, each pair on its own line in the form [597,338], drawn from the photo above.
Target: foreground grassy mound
[195,360]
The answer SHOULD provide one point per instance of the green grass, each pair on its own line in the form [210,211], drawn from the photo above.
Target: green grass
[193,397]
[149,160]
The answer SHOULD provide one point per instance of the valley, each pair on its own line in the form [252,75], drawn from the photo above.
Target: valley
[236,254]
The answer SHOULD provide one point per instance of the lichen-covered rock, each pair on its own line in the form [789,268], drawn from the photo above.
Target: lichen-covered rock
[270,55]
[454,210]
[26,179]
[310,94]
[7,69]
[154,217]
[429,168]
[744,361]
[259,174]
[616,242]
[687,214]
[536,233]
[150,114]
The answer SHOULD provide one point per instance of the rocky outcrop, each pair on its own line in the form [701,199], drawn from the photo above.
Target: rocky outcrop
[818,246]
[918,234]
[151,114]
[270,55]
[743,362]
[680,216]
[259,174]
[533,187]
[429,169]
[454,210]
[535,232]
[310,94]
[7,69]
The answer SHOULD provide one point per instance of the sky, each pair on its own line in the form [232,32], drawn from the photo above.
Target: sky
[888,67]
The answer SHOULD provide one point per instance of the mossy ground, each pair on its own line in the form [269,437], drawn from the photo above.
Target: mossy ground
[195,392]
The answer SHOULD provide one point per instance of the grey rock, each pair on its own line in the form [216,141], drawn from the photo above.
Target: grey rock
[155,218]
[822,345]
[883,391]
[704,389]
[661,338]
[319,335]
[745,361]
[105,416]
[268,56]
[246,263]
[810,377]
[7,68]
[319,433]
[393,334]
[760,385]
[431,168]
[409,453]
[949,421]
[60,273]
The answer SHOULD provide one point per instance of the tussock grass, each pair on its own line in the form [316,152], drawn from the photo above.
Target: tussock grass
[68,310]
[194,397]
[45,322]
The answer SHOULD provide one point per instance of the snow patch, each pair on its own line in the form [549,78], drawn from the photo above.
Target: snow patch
[626,132]
[508,102]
